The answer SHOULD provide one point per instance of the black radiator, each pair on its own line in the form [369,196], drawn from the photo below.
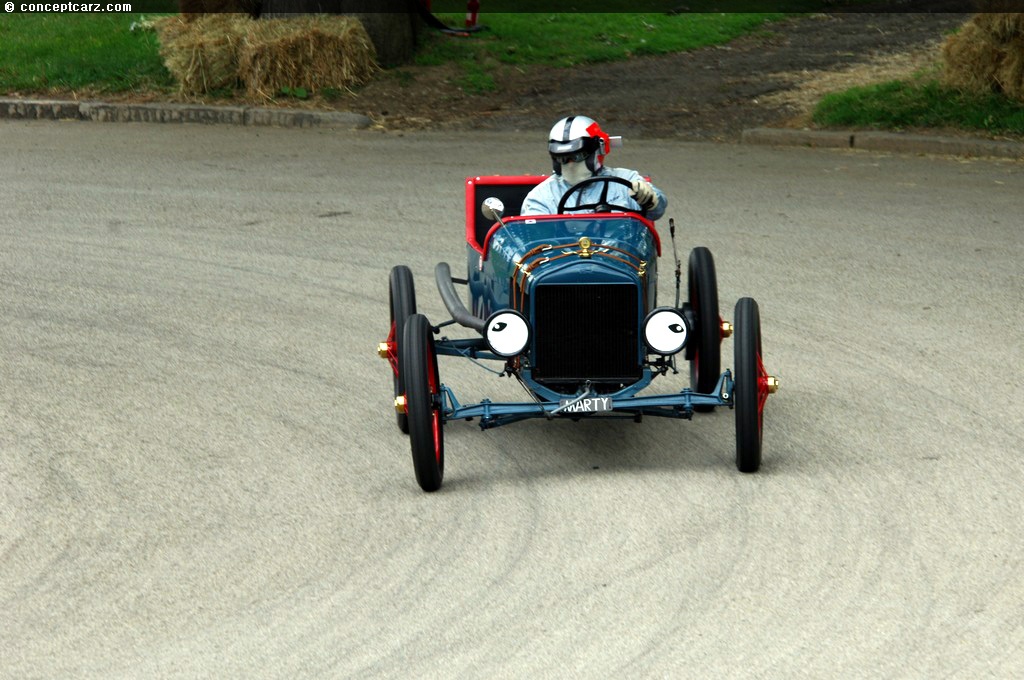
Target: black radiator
[586,332]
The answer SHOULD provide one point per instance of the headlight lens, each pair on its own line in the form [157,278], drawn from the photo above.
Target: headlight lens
[665,330]
[507,333]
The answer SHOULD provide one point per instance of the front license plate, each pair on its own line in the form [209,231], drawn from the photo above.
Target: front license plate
[588,405]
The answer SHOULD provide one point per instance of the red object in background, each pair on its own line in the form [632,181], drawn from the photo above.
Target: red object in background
[472,7]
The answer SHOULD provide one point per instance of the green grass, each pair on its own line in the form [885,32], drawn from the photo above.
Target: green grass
[98,52]
[899,105]
[580,38]
[476,79]
[40,52]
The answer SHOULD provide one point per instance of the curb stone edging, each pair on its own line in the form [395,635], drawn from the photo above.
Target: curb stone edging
[896,142]
[813,138]
[42,109]
[52,109]
[955,146]
[159,113]
[46,109]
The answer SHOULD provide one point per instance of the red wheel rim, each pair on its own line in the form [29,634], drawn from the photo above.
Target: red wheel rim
[435,407]
[762,390]
[392,345]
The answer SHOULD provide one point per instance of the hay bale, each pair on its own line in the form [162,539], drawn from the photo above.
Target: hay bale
[987,55]
[971,60]
[314,52]
[1001,27]
[202,52]
[1010,75]
[168,29]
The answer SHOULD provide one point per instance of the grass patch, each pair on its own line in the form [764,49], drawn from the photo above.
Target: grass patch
[40,52]
[900,105]
[476,79]
[569,39]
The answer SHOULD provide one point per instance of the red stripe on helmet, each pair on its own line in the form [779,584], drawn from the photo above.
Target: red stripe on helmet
[594,130]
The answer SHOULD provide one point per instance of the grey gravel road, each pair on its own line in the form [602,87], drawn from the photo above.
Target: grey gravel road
[200,475]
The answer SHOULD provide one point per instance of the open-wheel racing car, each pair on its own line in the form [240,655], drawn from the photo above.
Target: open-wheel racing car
[569,304]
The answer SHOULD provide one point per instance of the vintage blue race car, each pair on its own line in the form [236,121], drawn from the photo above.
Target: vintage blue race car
[568,303]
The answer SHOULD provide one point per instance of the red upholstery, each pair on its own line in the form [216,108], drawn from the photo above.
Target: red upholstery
[510,189]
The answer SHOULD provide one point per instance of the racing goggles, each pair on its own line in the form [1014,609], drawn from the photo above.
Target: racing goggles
[574,157]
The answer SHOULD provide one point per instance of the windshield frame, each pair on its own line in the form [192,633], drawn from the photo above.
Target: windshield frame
[570,217]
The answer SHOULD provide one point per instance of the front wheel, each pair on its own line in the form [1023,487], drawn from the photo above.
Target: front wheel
[402,294]
[423,401]
[752,385]
[706,355]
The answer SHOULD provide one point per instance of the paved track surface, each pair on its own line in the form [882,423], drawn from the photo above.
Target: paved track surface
[200,474]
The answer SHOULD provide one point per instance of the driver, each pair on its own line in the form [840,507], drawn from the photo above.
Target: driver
[578,145]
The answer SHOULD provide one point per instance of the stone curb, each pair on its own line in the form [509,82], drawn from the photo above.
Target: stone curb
[895,142]
[51,109]
[45,109]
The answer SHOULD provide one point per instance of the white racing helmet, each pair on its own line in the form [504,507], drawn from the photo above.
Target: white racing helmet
[578,138]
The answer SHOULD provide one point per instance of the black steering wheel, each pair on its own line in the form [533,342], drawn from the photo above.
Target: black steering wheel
[602,205]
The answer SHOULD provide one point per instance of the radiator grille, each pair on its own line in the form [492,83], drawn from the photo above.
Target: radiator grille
[586,332]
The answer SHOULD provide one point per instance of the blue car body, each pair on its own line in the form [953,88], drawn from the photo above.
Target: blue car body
[568,305]
[585,284]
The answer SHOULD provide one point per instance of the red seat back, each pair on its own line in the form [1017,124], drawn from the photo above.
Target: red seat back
[509,189]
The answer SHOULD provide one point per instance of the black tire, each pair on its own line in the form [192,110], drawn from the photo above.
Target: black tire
[418,365]
[749,390]
[402,294]
[706,357]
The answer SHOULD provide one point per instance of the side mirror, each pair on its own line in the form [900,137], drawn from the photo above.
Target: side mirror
[493,208]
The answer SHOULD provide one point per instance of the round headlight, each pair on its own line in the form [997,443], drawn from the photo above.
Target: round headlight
[665,330]
[507,333]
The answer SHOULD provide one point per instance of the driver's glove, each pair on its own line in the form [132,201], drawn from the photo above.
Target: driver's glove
[644,194]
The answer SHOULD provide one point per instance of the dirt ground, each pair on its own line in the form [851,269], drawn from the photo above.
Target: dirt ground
[768,79]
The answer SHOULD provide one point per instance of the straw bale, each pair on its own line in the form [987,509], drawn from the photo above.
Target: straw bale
[314,52]
[169,28]
[987,55]
[1000,26]
[971,59]
[1010,75]
[203,53]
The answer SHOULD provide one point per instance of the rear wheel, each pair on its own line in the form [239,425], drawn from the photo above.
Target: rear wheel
[750,391]
[402,294]
[706,358]
[418,366]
